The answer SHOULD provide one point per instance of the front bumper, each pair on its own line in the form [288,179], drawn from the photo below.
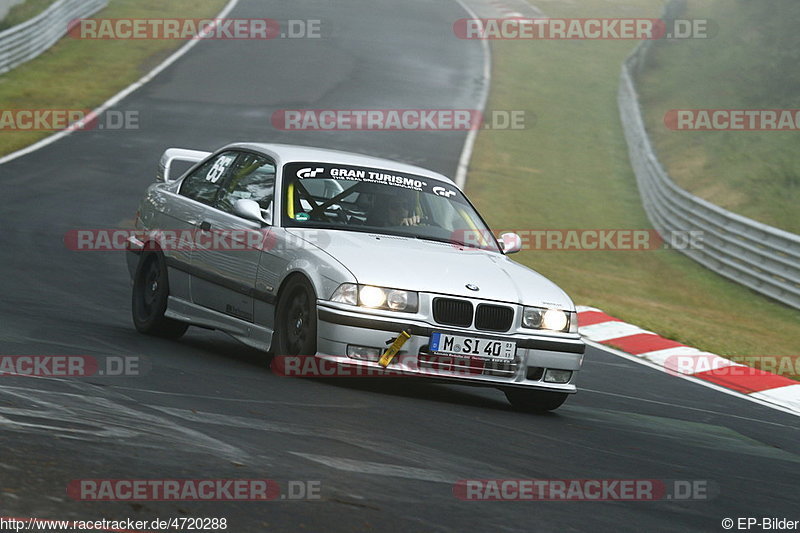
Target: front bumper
[133,249]
[340,326]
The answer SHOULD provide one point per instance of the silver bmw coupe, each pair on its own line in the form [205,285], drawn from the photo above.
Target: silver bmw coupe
[352,260]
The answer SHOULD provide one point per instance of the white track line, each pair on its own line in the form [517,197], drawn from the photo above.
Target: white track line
[122,94]
[472,136]
[463,162]
[698,381]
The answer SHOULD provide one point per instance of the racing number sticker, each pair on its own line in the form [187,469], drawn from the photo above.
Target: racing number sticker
[219,168]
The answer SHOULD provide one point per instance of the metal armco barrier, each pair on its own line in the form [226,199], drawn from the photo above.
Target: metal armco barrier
[761,257]
[25,41]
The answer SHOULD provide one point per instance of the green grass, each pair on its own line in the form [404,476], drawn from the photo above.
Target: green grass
[24,11]
[751,63]
[571,170]
[82,74]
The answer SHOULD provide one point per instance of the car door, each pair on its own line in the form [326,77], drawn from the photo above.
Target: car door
[180,213]
[226,255]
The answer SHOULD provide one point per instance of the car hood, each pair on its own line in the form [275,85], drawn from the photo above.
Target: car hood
[436,267]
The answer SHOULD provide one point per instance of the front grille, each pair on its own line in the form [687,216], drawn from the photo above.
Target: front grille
[452,312]
[494,317]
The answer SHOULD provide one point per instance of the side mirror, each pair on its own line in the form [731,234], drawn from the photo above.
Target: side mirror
[510,243]
[249,209]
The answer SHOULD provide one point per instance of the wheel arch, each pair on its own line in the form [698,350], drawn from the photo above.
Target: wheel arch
[291,276]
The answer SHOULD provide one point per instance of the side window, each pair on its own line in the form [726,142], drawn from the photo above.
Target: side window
[204,183]
[252,177]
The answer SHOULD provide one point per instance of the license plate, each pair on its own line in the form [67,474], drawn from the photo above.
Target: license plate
[443,343]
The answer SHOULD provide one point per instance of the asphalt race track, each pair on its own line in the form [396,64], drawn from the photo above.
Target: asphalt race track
[386,453]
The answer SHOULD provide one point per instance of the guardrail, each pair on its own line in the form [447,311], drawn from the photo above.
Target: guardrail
[761,257]
[25,41]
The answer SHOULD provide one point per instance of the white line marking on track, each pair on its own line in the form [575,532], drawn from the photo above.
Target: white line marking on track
[708,384]
[87,417]
[120,95]
[472,135]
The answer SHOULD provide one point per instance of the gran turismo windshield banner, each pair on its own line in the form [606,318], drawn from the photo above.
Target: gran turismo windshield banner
[392,178]
[365,199]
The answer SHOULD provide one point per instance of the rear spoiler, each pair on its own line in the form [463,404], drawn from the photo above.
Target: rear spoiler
[177,154]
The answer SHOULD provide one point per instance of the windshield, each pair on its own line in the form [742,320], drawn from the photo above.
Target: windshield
[343,197]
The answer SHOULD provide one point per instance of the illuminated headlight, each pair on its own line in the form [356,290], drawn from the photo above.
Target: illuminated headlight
[551,319]
[377,297]
[555,320]
[369,296]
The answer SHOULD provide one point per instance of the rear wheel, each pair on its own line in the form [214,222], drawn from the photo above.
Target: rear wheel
[534,401]
[149,299]
[296,319]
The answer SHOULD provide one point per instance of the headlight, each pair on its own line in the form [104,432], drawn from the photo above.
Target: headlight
[389,299]
[397,300]
[369,296]
[377,297]
[550,319]
[532,317]
[555,319]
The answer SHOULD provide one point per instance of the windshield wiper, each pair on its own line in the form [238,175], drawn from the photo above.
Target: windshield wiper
[448,241]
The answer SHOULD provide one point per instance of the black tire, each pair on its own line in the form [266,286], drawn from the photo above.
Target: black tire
[149,299]
[534,401]
[296,319]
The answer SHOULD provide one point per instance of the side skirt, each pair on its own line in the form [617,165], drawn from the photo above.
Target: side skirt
[247,333]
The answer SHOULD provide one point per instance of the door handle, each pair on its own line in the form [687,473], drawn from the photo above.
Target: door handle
[205,225]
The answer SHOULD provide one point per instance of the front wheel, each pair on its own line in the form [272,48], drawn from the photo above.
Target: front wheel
[535,401]
[149,299]
[296,319]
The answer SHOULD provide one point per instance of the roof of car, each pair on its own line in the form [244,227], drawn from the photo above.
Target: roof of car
[288,153]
